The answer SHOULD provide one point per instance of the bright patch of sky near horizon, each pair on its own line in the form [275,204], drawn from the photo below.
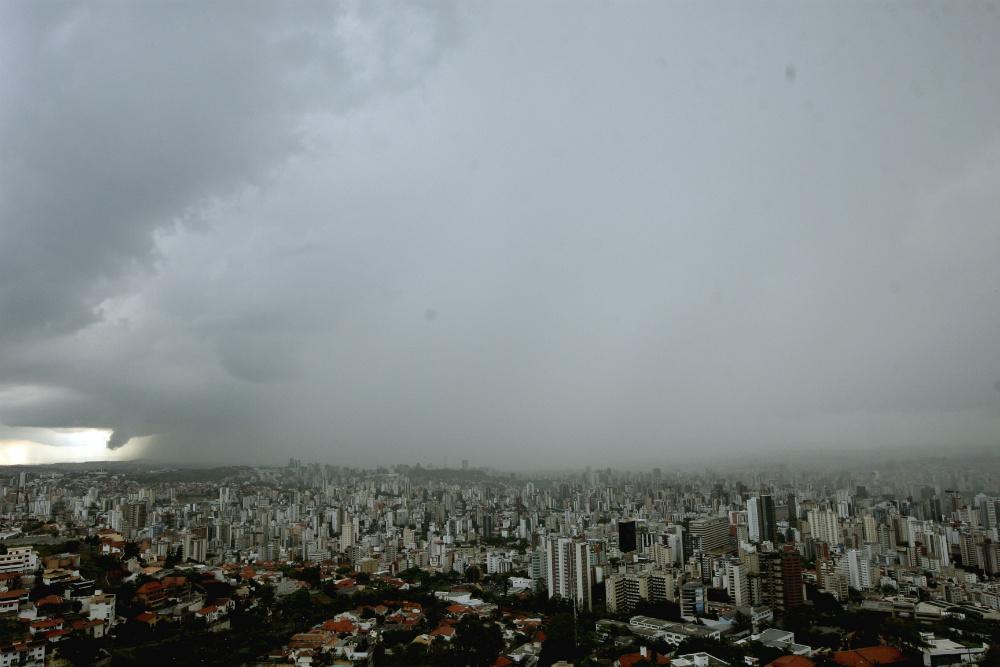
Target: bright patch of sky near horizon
[59,446]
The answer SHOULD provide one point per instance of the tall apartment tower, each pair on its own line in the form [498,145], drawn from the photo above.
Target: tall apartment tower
[135,513]
[825,526]
[781,579]
[346,536]
[738,582]
[568,566]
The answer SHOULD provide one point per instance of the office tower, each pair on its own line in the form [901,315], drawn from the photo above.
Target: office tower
[761,520]
[709,534]
[568,566]
[626,536]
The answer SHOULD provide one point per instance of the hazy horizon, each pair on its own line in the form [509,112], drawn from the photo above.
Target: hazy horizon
[541,234]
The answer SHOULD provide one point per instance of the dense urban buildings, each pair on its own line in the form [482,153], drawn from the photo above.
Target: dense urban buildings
[670,562]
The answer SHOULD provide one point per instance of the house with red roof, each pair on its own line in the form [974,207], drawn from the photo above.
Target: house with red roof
[210,613]
[57,635]
[458,610]
[340,626]
[43,625]
[95,629]
[10,601]
[149,618]
[643,656]
[869,656]
[49,601]
[153,594]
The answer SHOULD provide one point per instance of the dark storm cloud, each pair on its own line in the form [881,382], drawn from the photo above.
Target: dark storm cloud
[121,118]
[362,235]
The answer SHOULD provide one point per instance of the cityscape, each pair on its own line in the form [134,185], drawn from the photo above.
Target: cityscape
[500,333]
[314,564]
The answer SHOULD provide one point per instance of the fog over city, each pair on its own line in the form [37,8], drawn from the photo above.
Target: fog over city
[523,234]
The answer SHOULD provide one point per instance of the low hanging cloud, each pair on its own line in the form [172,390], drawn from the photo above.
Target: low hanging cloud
[363,234]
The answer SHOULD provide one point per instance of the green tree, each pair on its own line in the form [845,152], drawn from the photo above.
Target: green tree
[560,639]
[478,642]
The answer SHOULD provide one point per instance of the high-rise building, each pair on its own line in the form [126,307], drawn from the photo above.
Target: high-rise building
[793,509]
[761,519]
[709,533]
[825,526]
[626,536]
[134,515]
[692,600]
[663,585]
[624,591]
[194,548]
[753,519]
[346,536]
[737,582]
[568,566]
[856,569]
[869,528]
[781,579]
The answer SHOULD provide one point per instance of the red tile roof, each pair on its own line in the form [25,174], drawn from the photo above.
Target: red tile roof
[48,599]
[869,656]
[653,658]
[792,661]
[342,625]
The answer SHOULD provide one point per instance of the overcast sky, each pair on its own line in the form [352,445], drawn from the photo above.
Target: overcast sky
[539,233]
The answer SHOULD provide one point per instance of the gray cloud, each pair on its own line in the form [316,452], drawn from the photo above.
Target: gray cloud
[608,234]
[121,120]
